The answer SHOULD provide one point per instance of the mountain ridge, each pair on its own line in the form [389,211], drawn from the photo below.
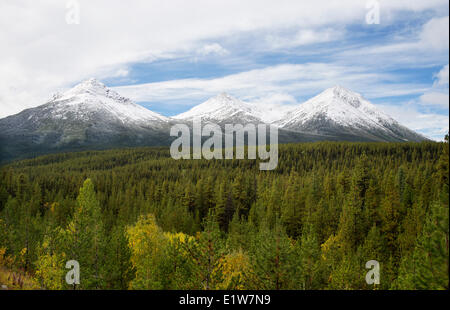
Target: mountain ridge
[335,110]
[220,108]
[338,109]
[88,116]
[93,116]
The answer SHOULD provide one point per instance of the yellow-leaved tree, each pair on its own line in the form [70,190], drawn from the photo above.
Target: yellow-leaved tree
[146,241]
[232,271]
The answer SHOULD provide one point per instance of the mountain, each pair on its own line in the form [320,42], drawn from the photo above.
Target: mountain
[345,115]
[225,108]
[337,114]
[92,116]
[222,109]
[88,116]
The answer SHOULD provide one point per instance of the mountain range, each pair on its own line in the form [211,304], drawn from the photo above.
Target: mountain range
[93,116]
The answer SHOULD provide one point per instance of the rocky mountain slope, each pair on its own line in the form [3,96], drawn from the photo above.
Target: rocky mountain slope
[92,116]
[343,113]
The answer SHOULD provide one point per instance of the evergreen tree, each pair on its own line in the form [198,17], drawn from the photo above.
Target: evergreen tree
[273,260]
[86,238]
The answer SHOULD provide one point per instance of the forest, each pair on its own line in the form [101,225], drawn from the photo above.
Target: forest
[137,219]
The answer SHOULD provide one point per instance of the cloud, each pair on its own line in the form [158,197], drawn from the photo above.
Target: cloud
[213,49]
[422,46]
[438,95]
[121,73]
[435,33]
[42,54]
[442,77]
[300,80]
[303,37]
[279,88]
[273,106]
[433,125]
[435,99]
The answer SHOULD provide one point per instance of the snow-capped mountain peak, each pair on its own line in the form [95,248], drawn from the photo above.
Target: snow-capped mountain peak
[92,116]
[339,105]
[87,116]
[92,89]
[346,95]
[220,108]
[90,84]
[340,110]
[92,97]
[225,97]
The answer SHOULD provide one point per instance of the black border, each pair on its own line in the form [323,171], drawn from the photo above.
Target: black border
[279,299]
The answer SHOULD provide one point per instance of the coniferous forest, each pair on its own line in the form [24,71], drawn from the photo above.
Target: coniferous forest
[138,219]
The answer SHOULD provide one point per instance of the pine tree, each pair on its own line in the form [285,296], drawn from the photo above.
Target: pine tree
[224,207]
[273,260]
[86,238]
[431,253]
[291,210]
[308,250]
[391,215]
[177,269]
[207,252]
[117,268]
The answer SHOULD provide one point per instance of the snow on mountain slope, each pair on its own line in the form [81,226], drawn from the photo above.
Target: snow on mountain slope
[88,116]
[337,113]
[92,97]
[341,111]
[222,108]
[91,116]
[340,105]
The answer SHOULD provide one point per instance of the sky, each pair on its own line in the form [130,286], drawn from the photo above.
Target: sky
[170,55]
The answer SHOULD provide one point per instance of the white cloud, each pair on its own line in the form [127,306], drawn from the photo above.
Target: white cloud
[433,125]
[435,99]
[273,106]
[425,46]
[294,79]
[213,49]
[438,94]
[41,54]
[303,37]
[279,87]
[281,100]
[121,73]
[435,33]
[442,77]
